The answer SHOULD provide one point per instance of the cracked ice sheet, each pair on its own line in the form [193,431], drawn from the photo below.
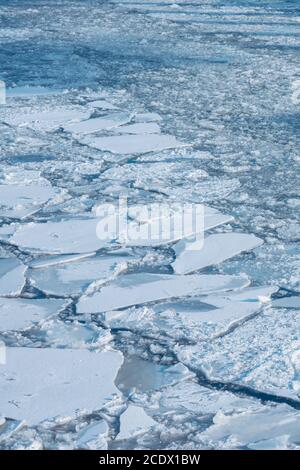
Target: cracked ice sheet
[45,119]
[12,276]
[97,124]
[19,314]
[213,419]
[72,278]
[133,144]
[141,288]
[65,237]
[194,255]
[265,429]
[42,384]
[263,353]
[194,319]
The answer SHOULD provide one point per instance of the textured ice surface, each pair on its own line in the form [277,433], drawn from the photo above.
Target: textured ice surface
[134,289]
[19,314]
[93,437]
[39,384]
[12,278]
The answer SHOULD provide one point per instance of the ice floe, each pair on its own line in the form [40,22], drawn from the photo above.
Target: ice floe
[139,128]
[42,384]
[19,314]
[12,276]
[134,421]
[70,236]
[135,289]
[134,144]
[102,104]
[194,255]
[73,277]
[47,119]
[97,124]
[287,302]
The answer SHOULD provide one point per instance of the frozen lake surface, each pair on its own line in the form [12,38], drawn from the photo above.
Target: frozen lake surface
[181,343]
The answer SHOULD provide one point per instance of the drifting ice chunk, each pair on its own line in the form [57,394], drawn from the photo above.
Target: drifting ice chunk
[67,236]
[98,124]
[166,227]
[147,117]
[44,262]
[224,310]
[134,144]
[134,421]
[139,128]
[18,201]
[194,255]
[287,302]
[12,278]
[29,91]
[18,314]
[38,384]
[93,437]
[72,278]
[102,104]
[136,289]
[46,120]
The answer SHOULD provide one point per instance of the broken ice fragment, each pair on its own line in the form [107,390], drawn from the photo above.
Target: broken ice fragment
[39,384]
[287,302]
[18,201]
[98,124]
[12,279]
[194,255]
[93,437]
[134,144]
[102,104]
[139,128]
[72,278]
[19,314]
[147,117]
[68,236]
[134,421]
[137,289]
[46,120]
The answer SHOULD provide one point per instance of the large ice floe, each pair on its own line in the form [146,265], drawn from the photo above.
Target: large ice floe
[149,337]
[40,384]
